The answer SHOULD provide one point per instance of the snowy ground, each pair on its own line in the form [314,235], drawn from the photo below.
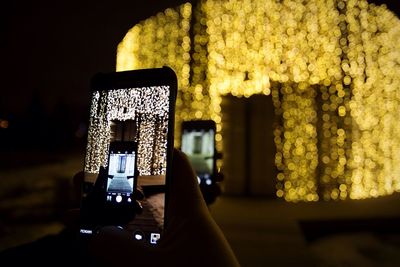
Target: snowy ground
[261,232]
[33,200]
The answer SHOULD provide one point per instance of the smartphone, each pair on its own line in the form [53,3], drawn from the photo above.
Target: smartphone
[121,173]
[198,143]
[128,153]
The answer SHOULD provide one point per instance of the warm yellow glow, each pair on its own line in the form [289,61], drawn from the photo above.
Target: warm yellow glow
[4,124]
[162,40]
[296,142]
[331,67]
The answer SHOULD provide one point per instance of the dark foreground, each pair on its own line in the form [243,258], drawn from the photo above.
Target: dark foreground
[262,232]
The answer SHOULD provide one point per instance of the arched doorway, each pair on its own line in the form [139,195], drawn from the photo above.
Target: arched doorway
[249,148]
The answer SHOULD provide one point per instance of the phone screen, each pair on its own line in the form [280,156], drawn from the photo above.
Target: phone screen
[121,171]
[130,138]
[198,143]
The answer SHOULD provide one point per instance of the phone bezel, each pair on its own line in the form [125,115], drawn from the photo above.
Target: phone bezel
[145,78]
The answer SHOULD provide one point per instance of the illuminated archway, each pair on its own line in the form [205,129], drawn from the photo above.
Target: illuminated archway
[332,68]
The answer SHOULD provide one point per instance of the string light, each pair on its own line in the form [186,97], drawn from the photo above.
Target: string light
[160,41]
[332,70]
[148,107]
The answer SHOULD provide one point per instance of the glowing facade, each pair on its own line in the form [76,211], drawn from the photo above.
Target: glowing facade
[148,107]
[332,68]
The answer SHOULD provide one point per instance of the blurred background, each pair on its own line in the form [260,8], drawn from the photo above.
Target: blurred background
[49,52]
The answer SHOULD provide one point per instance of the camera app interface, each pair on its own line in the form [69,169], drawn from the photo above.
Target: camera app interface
[121,172]
[128,137]
[198,145]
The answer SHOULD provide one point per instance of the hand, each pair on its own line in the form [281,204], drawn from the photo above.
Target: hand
[191,237]
[94,209]
[211,192]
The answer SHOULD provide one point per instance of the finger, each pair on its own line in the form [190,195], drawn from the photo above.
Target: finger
[139,193]
[71,218]
[78,180]
[219,177]
[138,207]
[185,197]
[185,192]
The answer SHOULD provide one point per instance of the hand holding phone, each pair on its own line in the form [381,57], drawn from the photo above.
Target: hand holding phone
[198,143]
[190,230]
[130,141]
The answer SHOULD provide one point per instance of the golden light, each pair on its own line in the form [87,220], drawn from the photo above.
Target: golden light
[148,107]
[332,70]
[4,124]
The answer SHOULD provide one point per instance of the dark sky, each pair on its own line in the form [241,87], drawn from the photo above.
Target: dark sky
[54,47]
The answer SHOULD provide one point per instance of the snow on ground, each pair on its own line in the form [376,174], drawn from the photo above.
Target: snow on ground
[33,199]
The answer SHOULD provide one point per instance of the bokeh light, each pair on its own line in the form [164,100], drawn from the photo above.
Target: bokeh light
[331,67]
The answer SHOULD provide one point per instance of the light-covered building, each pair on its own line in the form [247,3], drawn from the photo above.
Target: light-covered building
[305,94]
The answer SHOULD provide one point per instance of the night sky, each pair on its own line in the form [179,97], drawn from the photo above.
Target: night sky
[51,48]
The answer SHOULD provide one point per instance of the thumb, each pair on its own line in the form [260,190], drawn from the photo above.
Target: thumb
[185,198]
